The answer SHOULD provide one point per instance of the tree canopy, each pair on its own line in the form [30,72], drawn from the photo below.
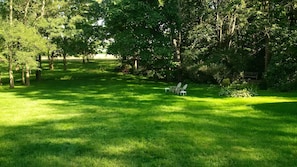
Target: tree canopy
[202,40]
[208,40]
[30,28]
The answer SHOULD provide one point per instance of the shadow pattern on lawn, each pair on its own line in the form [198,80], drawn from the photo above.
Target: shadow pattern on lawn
[282,109]
[126,121]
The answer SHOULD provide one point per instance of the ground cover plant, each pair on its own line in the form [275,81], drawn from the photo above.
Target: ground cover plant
[90,115]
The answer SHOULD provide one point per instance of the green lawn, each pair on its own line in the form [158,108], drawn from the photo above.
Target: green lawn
[92,116]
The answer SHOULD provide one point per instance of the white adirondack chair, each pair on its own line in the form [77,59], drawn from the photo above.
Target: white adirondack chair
[182,91]
[173,89]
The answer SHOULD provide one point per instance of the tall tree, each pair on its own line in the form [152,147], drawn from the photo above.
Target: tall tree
[215,40]
[10,47]
[180,16]
[139,33]
[281,68]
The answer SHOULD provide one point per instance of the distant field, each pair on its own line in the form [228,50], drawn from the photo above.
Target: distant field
[104,56]
[90,115]
[97,56]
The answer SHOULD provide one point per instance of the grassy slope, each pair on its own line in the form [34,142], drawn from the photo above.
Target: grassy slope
[92,117]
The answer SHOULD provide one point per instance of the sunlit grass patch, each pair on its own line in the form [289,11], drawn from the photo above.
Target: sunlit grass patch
[102,118]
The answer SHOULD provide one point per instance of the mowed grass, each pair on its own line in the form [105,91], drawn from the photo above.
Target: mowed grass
[92,116]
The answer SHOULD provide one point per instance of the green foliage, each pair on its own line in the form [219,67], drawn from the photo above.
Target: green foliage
[3,10]
[205,40]
[217,38]
[137,29]
[226,82]
[237,93]
[3,58]
[244,36]
[72,26]
[238,89]
[24,41]
[207,72]
[2,41]
[282,72]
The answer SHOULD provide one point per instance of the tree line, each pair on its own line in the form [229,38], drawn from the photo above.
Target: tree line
[207,40]
[34,28]
[202,40]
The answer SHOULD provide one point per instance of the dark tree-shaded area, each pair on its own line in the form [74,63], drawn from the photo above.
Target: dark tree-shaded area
[207,40]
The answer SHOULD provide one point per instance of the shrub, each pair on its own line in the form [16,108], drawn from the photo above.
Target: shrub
[195,74]
[207,73]
[124,68]
[242,93]
[226,82]
[238,89]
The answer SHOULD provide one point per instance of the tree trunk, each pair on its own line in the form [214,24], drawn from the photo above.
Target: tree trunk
[177,46]
[219,27]
[65,61]
[11,78]
[11,11]
[23,75]
[0,78]
[51,61]
[88,58]
[27,75]
[26,11]
[267,53]
[177,42]
[135,67]
[10,71]
[231,28]
[42,10]
[266,5]
[38,71]
[84,59]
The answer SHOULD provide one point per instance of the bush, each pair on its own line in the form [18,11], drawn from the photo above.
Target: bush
[124,68]
[197,75]
[226,82]
[242,93]
[238,89]
[207,73]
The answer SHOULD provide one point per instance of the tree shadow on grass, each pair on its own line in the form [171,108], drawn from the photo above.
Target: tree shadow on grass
[109,119]
[113,138]
[278,109]
[292,94]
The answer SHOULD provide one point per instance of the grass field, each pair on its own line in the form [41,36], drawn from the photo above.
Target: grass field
[92,116]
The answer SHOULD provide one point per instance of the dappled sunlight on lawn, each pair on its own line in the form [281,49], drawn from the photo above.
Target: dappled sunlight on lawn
[113,119]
